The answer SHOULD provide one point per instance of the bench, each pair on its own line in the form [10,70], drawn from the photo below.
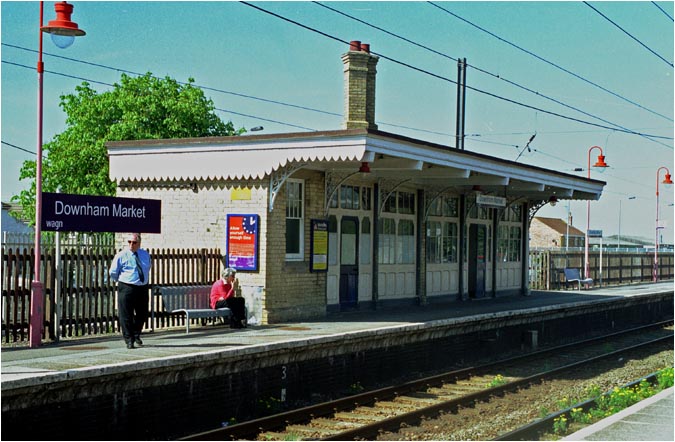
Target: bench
[574,276]
[192,300]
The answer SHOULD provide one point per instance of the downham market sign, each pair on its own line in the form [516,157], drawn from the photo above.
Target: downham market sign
[86,213]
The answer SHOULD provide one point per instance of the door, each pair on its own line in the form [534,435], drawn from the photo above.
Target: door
[477,248]
[349,263]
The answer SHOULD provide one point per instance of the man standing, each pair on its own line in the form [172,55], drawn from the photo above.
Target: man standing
[131,269]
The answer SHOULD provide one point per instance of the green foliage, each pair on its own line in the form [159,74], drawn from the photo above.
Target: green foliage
[356,388]
[560,424]
[270,406]
[665,378]
[137,108]
[611,403]
[496,382]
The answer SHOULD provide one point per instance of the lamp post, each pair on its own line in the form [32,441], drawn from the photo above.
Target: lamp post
[599,163]
[618,243]
[667,181]
[63,33]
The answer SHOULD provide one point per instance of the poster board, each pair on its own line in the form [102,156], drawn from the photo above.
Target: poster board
[318,254]
[242,241]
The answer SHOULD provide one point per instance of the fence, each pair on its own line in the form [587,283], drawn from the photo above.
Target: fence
[85,300]
[617,267]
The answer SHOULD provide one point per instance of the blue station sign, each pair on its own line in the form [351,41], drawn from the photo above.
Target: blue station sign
[88,213]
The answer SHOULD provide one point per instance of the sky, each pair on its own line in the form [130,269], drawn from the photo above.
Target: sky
[575,74]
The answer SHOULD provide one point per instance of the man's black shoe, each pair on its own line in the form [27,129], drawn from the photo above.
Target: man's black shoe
[130,344]
[137,341]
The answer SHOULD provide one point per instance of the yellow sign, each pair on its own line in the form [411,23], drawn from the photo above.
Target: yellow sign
[240,194]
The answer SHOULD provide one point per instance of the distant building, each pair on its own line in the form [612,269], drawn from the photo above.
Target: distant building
[554,233]
[12,225]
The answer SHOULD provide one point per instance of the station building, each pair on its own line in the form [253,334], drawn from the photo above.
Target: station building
[353,218]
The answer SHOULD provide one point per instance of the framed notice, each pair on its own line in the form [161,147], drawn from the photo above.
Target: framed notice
[242,241]
[318,254]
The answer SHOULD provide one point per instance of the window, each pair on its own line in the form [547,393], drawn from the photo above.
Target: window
[441,242]
[509,242]
[295,222]
[386,253]
[450,207]
[349,197]
[514,244]
[406,202]
[434,241]
[450,241]
[405,242]
[366,203]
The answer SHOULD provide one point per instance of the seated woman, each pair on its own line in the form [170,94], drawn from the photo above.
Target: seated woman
[223,295]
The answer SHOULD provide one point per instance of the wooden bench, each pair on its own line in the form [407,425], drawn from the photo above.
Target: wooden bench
[192,300]
[574,276]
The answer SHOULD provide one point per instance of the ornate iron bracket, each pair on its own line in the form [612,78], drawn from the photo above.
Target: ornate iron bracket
[278,178]
[333,182]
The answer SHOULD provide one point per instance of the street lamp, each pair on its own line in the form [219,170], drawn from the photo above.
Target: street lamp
[618,243]
[65,32]
[667,181]
[599,163]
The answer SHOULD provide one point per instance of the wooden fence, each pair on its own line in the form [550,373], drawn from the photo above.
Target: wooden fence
[86,303]
[546,267]
[86,299]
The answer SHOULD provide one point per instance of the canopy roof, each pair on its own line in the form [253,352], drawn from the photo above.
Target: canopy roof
[388,155]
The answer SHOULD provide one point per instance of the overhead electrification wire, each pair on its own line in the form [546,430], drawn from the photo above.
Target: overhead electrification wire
[474,67]
[440,77]
[662,10]
[111,85]
[19,148]
[628,34]
[266,100]
[549,62]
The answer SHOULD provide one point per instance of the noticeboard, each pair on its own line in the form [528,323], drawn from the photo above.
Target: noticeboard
[318,258]
[242,241]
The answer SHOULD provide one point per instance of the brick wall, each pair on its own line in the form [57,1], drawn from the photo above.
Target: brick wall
[197,218]
[543,236]
[293,292]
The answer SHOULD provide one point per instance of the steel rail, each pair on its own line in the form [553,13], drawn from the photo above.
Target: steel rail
[250,429]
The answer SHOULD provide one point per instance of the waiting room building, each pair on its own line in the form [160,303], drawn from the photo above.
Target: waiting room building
[347,219]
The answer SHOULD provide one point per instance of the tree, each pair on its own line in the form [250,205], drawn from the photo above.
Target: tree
[138,108]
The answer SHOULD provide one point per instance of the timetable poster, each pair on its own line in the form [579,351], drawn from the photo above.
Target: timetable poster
[319,246]
[242,242]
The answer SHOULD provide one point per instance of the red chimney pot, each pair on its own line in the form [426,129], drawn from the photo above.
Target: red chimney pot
[355,45]
[365,47]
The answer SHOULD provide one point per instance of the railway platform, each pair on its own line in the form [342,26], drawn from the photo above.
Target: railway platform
[96,378]
[650,419]
[55,361]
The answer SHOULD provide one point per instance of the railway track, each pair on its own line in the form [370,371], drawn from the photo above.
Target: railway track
[365,415]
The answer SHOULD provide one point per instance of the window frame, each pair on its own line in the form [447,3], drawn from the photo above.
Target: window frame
[300,255]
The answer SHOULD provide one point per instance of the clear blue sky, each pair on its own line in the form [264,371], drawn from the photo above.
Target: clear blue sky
[252,57]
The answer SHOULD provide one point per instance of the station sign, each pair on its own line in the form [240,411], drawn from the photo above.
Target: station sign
[491,201]
[63,212]
[595,233]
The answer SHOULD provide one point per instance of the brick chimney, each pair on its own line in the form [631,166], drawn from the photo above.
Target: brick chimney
[360,72]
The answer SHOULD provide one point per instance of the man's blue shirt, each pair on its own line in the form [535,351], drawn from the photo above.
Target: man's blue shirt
[123,267]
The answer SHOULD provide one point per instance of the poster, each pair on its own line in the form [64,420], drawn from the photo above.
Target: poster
[242,241]
[318,261]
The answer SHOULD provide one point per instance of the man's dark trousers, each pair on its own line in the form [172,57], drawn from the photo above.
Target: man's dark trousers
[132,305]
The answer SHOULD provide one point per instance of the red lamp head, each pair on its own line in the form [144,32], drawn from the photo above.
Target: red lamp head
[63,25]
[365,167]
[600,162]
[668,181]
